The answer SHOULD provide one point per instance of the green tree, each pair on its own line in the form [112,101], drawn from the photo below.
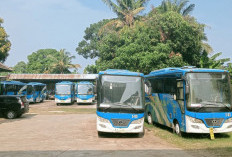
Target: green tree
[4,43]
[20,68]
[62,63]
[88,46]
[179,6]
[39,62]
[154,43]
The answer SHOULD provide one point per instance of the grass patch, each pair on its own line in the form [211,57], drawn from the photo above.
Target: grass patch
[221,146]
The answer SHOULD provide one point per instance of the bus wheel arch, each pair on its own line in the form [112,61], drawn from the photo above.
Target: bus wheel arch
[176,127]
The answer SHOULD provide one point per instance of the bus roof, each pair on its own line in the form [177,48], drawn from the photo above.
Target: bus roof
[13,82]
[182,70]
[65,82]
[36,83]
[120,72]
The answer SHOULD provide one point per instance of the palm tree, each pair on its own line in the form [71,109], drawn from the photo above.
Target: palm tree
[178,6]
[62,63]
[126,10]
[212,62]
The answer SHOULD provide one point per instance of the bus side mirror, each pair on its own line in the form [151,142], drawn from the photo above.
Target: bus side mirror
[149,91]
[148,88]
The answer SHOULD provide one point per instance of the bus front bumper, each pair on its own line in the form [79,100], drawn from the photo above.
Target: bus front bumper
[63,101]
[84,101]
[108,127]
[201,127]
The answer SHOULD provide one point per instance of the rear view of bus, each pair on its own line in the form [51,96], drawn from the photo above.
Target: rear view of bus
[64,92]
[85,92]
[120,103]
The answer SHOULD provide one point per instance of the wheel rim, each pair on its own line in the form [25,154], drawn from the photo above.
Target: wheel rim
[10,115]
[149,119]
[177,128]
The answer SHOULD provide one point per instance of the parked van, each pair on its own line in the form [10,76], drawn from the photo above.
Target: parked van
[12,106]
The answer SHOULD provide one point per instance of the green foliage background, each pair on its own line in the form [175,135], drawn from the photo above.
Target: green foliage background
[4,43]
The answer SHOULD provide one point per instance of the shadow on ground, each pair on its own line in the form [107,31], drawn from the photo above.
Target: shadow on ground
[23,117]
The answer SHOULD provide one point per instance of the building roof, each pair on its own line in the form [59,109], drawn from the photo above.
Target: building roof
[53,76]
[4,68]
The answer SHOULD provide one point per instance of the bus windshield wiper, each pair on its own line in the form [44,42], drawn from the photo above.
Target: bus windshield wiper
[210,103]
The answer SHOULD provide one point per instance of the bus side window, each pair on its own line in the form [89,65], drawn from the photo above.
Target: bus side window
[180,94]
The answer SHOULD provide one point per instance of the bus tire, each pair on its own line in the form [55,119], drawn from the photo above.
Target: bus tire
[10,114]
[57,104]
[100,134]
[149,119]
[176,129]
[141,134]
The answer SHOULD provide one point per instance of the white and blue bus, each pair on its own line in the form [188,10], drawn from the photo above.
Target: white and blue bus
[11,87]
[120,102]
[85,92]
[34,91]
[64,92]
[190,100]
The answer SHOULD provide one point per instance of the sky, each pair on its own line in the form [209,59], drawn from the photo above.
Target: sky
[60,24]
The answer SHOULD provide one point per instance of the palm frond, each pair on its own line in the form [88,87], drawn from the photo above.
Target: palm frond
[137,11]
[189,9]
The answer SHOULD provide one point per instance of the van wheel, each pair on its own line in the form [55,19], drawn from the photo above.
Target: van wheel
[11,114]
[176,129]
[149,119]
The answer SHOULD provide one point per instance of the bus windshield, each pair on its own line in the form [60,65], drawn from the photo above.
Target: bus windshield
[118,91]
[84,89]
[63,89]
[209,90]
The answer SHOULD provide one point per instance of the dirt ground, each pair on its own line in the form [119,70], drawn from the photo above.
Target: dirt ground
[62,133]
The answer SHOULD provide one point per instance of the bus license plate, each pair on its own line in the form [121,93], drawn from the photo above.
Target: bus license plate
[119,130]
[85,100]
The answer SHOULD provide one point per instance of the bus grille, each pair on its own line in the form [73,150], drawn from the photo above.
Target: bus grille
[120,122]
[214,121]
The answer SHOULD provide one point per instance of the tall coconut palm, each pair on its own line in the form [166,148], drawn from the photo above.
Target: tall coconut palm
[179,6]
[62,63]
[126,10]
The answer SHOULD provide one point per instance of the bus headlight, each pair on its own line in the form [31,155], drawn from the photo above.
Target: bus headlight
[103,120]
[138,121]
[228,120]
[194,120]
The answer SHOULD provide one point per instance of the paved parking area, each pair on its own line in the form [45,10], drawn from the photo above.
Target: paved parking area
[74,135]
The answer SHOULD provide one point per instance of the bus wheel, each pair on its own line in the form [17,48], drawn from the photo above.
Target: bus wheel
[141,134]
[149,119]
[57,104]
[10,114]
[100,134]
[177,129]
